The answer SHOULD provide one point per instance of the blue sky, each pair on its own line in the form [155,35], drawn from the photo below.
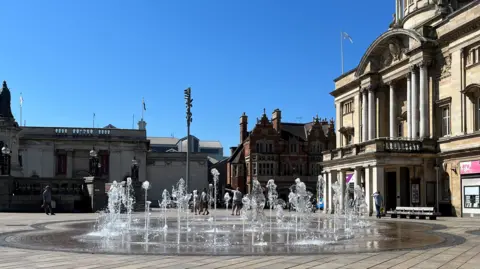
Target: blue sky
[71,59]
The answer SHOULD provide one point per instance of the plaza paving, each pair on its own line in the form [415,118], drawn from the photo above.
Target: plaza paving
[466,255]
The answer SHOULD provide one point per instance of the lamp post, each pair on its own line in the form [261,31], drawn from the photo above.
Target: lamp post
[94,163]
[188,103]
[6,160]
[134,171]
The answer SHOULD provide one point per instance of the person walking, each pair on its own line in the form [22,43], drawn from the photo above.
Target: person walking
[47,201]
[378,198]
[237,201]
[204,201]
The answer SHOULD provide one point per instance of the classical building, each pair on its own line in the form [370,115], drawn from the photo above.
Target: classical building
[279,150]
[408,114]
[62,157]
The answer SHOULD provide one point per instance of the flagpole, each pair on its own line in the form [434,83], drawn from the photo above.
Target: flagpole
[133,122]
[93,120]
[143,106]
[341,48]
[21,112]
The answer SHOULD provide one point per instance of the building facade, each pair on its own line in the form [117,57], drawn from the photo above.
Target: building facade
[60,156]
[408,114]
[281,151]
[213,149]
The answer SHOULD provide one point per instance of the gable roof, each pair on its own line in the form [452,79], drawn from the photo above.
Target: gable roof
[235,158]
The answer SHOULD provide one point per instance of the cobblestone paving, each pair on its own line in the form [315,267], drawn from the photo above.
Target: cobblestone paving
[466,255]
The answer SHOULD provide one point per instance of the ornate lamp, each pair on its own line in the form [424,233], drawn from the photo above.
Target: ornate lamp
[6,160]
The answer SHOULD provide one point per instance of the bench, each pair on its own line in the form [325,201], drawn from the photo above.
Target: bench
[413,212]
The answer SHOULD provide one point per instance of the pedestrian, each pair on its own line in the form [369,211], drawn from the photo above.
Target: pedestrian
[377,197]
[204,201]
[237,201]
[47,201]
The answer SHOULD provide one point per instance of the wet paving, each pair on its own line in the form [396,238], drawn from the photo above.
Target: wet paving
[231,239]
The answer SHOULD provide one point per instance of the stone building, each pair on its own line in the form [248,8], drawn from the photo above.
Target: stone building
[279,150]
[408,114]
[60,157]
[213,149]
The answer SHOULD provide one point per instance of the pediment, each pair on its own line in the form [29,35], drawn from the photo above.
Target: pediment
[387,50]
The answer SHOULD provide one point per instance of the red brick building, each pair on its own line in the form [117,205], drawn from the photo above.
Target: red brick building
[278,150]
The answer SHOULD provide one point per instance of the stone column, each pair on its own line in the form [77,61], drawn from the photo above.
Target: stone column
[332,177]
[415,103]
[392,112]
[368,189]
[364,115]
[371,114]
[424,123]
[409,106]
[325,192]
[378,180]
[357,174]
[69,163]
[342,178]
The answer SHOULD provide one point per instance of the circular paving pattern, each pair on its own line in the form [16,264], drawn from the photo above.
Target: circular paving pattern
[383,236]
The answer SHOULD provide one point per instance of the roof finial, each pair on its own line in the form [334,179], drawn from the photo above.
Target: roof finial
[264,111]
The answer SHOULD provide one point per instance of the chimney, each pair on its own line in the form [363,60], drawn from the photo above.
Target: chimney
[277,119]
[232,150]
[243,127]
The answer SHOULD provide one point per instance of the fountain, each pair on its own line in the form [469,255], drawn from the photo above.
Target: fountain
[227,199]
[119,230]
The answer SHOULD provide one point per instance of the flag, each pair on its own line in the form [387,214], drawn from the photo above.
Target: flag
[347,36]
[144,107]
[21,100]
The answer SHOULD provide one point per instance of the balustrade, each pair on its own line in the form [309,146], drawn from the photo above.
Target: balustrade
[382,145]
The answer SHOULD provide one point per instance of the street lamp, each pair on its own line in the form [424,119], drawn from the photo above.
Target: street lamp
[134,169]
[188,104]
[6,160]
[436,187]
[94,163]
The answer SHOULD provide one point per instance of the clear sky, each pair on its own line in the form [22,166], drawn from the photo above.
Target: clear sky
[71,59]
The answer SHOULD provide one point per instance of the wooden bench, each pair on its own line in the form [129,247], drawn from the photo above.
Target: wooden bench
[413,212]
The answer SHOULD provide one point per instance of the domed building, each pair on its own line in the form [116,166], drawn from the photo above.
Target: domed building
[408,115]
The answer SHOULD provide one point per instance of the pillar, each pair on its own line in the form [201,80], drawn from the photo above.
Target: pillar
[378,180]
[69,164]
[368,189]
[332,177]
[424,122]
[342,178]
[415,103]
[392,112]
[325,192]
[371,114]
[357,173]
[364,115]
[409,106]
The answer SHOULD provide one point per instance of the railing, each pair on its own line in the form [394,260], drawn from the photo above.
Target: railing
[396,145]
[32,132]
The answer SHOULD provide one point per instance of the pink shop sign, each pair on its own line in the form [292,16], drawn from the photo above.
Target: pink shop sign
[471,167]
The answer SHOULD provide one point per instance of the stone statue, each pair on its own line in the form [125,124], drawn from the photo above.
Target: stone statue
[5,109]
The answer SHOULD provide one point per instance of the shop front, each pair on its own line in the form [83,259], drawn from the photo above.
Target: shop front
[470,178]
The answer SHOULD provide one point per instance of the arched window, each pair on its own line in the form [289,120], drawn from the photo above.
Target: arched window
[473,115]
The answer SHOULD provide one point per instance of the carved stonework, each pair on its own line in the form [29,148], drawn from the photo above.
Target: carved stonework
[394,53]
[446,67]
[346,130]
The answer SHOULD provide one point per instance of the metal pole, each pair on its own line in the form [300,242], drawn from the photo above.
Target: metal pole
[188,157]
[341,49]
[436,187]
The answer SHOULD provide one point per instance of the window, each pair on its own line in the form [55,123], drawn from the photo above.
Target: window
[477,113]
[104,162]
[348,107]
[61,164]
[254,168]
[293,147]
[400,129]
[270,147]
[471,196]
[445,120]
